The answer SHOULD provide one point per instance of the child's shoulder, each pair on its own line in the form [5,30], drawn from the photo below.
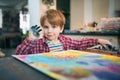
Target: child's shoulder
[61,36]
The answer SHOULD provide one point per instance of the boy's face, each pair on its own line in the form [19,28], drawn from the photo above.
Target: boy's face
[51,32]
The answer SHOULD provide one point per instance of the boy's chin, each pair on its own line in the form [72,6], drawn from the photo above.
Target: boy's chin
[51,39]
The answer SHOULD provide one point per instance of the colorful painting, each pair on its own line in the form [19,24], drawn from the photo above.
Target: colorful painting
[74,65]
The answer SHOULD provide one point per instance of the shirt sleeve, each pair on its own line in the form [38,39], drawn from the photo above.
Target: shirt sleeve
[25,47]
[83,43]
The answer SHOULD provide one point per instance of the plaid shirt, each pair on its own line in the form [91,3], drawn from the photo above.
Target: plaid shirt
[41,46]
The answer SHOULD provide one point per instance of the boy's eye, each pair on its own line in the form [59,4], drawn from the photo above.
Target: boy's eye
[45,26]
[54,26]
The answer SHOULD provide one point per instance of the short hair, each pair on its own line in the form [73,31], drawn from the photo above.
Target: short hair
[54,17]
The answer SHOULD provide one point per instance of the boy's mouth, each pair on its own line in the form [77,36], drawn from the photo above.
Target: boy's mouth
[49,35]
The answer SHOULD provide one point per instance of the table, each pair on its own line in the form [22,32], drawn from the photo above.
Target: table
[115,53]
[12,69]
[10,40]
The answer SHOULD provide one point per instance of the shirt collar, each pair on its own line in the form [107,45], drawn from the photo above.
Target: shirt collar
[61,38]
[44,39]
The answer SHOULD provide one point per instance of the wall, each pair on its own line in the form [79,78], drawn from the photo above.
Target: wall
[81,11]
[100,9]
[77,13]
[0,18]
[36,9]
[117,4]
[88,11]
[43,7]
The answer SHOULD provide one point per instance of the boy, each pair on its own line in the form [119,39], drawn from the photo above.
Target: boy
[52,23]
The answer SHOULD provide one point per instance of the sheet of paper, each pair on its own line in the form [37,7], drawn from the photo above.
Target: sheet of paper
[74,65]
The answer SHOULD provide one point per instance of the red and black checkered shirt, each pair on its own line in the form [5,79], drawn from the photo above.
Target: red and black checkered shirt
[40,46]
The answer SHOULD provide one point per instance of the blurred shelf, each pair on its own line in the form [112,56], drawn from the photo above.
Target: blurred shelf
[93,33]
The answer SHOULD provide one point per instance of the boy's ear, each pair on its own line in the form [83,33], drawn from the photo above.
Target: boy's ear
[62,29]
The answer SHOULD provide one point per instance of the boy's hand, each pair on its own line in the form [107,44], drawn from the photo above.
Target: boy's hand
[104,42]
[34,32]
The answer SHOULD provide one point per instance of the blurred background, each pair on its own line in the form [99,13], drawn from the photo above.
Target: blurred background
[84,18]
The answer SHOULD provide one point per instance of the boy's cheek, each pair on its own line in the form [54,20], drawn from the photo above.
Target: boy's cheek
[44,30]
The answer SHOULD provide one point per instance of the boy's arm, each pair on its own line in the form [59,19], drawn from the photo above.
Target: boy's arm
[25,47]
[104,42]
[89,42]
[27,44]
[86,42]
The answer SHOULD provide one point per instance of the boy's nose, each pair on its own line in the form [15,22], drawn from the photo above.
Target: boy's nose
[50,30]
